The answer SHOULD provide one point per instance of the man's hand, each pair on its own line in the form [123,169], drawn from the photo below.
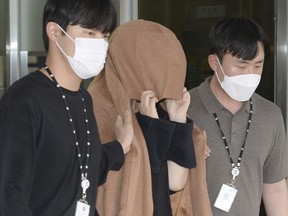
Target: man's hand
[124,131]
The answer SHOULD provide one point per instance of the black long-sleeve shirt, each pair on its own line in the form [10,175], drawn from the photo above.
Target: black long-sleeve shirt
[39,167]
[166,140]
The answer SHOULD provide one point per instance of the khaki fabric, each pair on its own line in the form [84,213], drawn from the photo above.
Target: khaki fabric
[143,55]
[193,200]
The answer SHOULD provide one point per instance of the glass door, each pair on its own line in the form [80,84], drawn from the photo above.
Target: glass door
[2,47]
[191,21]
[21,45]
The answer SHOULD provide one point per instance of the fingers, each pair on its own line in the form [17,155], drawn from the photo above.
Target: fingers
[127,118]
[148,98]
[207,151]
[124,130]
[147,105]
[177,109]
[118,121]
[186,95]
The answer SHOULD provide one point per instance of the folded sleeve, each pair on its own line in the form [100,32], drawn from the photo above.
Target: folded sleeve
[181,149]
[112,159]
[158,135]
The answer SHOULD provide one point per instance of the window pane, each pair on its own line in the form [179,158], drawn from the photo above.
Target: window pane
[2,46]
[191,21]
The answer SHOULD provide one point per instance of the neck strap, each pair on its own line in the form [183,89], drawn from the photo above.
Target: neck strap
[83,168]
[244,142]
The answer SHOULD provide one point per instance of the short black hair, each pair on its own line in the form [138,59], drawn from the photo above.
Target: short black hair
[237,36]
[91,14]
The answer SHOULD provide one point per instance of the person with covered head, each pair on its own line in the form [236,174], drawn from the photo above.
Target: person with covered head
[164,172]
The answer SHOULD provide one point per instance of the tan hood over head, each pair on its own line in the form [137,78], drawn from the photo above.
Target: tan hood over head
[143,55]
[147,56]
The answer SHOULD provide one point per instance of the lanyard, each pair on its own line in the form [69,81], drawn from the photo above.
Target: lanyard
[236,168]
[83,169]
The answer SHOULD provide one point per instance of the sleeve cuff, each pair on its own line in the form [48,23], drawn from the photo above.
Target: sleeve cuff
[112,159]
[158,134]
[181,150]
[115,155]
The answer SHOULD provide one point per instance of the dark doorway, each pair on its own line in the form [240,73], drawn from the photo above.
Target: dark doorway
[191,21]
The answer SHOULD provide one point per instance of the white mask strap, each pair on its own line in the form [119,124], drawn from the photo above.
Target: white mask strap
[220,65]
[220,68]
[66,33]
[61,50]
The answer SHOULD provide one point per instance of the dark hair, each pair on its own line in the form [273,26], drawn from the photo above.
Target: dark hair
[237,36]
[91,14]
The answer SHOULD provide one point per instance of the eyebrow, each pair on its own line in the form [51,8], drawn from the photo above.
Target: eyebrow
[247,61]
[260,61]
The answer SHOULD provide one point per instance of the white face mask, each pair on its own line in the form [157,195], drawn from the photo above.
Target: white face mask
[239,87]
[89,57]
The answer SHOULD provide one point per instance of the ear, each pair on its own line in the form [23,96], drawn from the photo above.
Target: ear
[212,60]
[53,31]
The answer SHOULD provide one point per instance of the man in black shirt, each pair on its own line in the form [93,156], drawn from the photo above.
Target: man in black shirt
[51,157]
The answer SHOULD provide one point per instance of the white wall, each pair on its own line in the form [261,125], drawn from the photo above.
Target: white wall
[31,12]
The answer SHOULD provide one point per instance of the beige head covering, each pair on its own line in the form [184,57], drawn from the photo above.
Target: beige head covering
[142,55]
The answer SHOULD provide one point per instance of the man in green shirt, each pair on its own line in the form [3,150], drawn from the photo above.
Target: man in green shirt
[245,132]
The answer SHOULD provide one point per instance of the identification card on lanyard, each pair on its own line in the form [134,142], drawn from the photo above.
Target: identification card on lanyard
[82,209]
[225,197]
[228,192]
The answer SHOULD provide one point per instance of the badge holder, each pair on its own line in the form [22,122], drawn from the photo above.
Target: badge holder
[227,193]
[82,207]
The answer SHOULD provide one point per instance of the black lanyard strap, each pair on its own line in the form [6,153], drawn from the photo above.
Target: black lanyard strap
[244,142]
[83,168]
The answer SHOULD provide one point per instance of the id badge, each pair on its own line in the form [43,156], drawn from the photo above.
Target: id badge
[225,197]
[82,209]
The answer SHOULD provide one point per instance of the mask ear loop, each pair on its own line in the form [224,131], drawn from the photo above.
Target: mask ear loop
[220,68]
[62,50]
[68,37]
[66,33]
